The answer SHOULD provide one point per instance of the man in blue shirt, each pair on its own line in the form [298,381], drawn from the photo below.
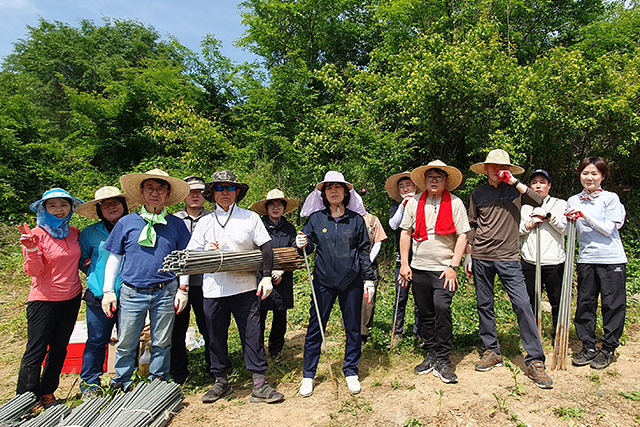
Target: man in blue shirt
[138,244]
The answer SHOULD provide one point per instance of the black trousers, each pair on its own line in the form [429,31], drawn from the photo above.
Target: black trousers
[179,357]
[608,281]
[278,330]
[434,308]
[551,282]
[49,325]
[244,308]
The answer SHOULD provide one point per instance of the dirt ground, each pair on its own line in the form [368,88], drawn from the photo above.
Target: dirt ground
[392,395]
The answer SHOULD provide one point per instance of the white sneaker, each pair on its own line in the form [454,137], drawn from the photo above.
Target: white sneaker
[353,383]
[306,387]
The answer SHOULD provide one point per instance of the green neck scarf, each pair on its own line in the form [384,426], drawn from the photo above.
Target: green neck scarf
[148,234]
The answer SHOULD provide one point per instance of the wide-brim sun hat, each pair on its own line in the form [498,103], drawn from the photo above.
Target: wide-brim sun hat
[131,186]
[261,207]
[89,209]
[221,177]
[56,193]
[454,176]
[391,185]
[333,176]
[496,157]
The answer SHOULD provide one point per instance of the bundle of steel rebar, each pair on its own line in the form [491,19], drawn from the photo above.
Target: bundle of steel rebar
[199,262]
[561,345]
[149,404]
[15,408]
[84,414]
[51,417]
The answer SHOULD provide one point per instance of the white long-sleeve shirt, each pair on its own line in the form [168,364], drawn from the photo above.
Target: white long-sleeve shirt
[552,233]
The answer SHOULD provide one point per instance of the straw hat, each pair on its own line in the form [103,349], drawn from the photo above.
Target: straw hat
[88,209]
[261,207]
[496,157]
[333,176]
[391,185]
[131,186]
[221,177]
[56,193]
[454,178]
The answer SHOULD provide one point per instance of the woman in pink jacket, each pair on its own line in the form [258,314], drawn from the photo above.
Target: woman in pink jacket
[51,253]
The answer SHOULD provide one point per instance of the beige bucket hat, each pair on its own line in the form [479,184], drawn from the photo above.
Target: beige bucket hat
[391,185]
[261,207]
[88,209]
[497,157]
[131,186]
[454,178]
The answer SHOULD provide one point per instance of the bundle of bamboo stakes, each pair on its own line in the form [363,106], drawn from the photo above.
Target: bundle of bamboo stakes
[561,345]
[199,262]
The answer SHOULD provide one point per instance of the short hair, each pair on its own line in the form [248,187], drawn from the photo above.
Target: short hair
[270,202]
[157,181]
[404,178]
[437,170]
[122,201]
[599,162]
[347,194]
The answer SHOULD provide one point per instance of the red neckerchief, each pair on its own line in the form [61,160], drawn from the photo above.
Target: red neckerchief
[444,222]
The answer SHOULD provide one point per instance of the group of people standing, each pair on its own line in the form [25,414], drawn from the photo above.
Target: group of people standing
[122,257]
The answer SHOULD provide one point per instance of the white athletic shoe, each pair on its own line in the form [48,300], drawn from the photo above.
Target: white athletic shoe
[306,387]
[353,383]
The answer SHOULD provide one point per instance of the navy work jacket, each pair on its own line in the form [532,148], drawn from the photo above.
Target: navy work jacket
[283,234]
[342,248]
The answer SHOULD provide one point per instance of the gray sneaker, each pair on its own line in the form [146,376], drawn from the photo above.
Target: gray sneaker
[490,359]
[426,366]
[602,359]
[265,394]
[218,390]
[585,356]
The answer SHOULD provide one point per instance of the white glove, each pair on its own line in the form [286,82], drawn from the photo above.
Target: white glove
[180,301]
[276,276]
[535,220]
[211,246]
[539,213]
[369,290]
[265,287]
[109,303]
[468,264]
[301,240]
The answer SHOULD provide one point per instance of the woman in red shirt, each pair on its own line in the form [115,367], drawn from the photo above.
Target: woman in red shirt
[51,253]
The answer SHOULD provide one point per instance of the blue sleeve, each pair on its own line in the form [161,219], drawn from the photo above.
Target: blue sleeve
[85,249]
[183,235]
[307,229]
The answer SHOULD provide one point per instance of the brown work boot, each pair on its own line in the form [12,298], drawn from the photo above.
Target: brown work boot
[47,401]
[490,359]
[539,375]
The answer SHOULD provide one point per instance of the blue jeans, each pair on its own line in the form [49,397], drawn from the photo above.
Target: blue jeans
[510,274]
[134,305]
[99,328]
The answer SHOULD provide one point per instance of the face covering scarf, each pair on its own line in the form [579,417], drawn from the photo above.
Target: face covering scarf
[148,234]
[58,228]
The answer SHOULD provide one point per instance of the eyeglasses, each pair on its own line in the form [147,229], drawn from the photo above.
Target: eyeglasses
[109,204]
[434,178]
[221,188]
[150,190]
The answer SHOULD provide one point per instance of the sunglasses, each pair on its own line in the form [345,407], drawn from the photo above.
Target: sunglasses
[221,188]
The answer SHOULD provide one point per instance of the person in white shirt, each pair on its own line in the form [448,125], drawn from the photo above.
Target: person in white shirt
[230,228]
[550,222]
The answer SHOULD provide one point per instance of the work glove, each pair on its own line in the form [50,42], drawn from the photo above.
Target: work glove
[507,177]
[276,276]
[369,290]
[109,303]
[212,246]
[28,240]
[573,214]
[301,240]
[468,264]
[265,287]
[180,301]
[406,198]
[540,213]
[535,220]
